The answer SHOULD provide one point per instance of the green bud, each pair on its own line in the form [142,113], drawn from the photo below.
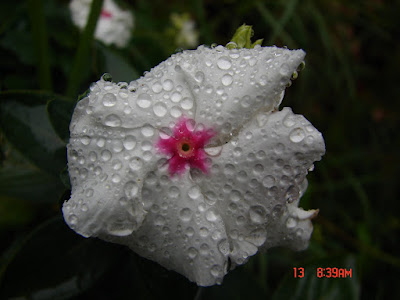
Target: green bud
[242,38]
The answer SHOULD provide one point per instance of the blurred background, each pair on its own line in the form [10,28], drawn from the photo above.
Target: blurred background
[347,91]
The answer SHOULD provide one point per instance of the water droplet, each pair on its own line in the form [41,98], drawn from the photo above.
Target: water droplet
[135,163]
[187,103]
[291,222]
[176,97]
[173,192]
[106,155]
[199,77]
[100,142]
[92,156]
[131,189]
[147,131]
[194,192]
[258,214]
[235,196]
[289,120]
[129,142]
[257,237]
[285,70]
[121,228]
[213,151]
[227,80]
[297,135]
[112,121]
[115,178]
[168,85]
[279,148]
[117,146]
[144,100]
[211,215]
[192,253]
[224,63]
[204,248]
[73,219]
[292,194]
[268,181]
[185,214]
[85,140]
[109,100]
[258,169]
[89,193]
[156,87]
[223,247]
[215,271]
[160,109]
[203,232]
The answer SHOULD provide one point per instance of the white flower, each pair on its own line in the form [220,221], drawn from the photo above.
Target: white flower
[192,165]
[186,36]
[114,25]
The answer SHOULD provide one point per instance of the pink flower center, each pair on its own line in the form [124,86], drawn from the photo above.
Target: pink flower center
[106,13]
[185,148]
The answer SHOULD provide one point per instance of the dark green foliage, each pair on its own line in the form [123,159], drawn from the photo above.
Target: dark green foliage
[348,90]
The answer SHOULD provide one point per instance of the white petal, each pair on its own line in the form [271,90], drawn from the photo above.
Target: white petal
[180,231]
[107,166]
[230,86]
[257,180]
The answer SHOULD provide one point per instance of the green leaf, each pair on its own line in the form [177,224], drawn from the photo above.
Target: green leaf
[60,113]
[30,185]
[242,38]
[24,122]
[54,263]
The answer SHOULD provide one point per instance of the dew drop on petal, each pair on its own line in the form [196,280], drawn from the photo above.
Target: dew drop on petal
[223,247]
[160,109]
[297,135]
[185,214]
[224,63]
[131,189]
[291,222]
[187,103]
[106,155]
[109,100]
[144,100]
[168,85]
[227,80]
[192,253]
[129,142]
[176,97]
[135,163]
[211,215]
[194,192]
[258,214]
[112,121]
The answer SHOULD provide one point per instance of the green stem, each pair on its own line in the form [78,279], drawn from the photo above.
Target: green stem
[41,43]
[81,56]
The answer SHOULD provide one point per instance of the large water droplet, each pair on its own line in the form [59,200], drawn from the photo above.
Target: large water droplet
[160,109]
[168,85]
[131,189]
[129,142]
[176,97]
[194,192]
[227,80]
[291,222]
[106,155]
[185,214]
[224,63]
[257,237]
[268,181]
[211,215]
[135,163]
[297,135]
[121,228]
[187,103]
[112,121]
[192,253]
[109,100]
[156,87]
[258,214]
[144,100]
[199,77]
[173,192]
